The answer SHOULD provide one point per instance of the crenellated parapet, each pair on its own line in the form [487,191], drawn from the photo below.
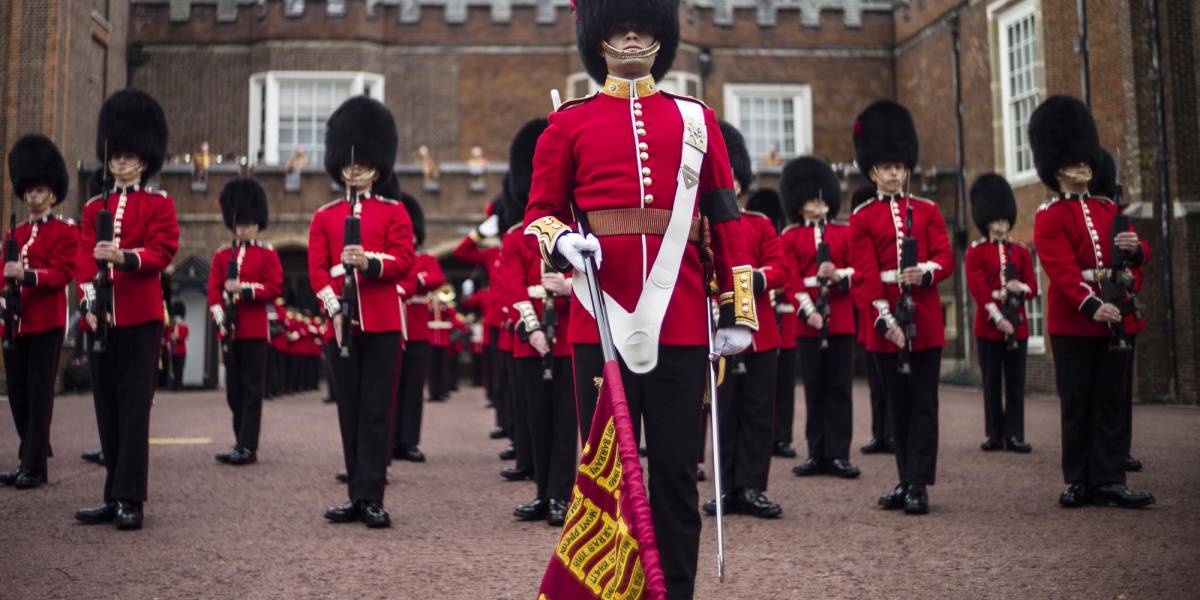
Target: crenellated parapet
[546,11]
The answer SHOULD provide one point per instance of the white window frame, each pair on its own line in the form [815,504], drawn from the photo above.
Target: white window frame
[1037,343]
[801,95]
[1005,14]
[264,97]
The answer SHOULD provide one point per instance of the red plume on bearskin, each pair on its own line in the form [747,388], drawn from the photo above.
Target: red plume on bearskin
[595,20]
[34,160]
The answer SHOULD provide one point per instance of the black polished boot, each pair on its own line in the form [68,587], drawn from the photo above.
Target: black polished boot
[1132,464]
[8,478]
[409,453]
[129,515]
[916,501]
[372,514]
[93,456]
[894,500]
[1074,497]
[536,510]
[556,514]
[1013,444]
[343,513]
[342,477]
[243,456]
[1117,494]
[784,449]
[812,466]
[497,433]
[28,479]
[517,473]
[224,457]
[508,453]
[841,467]
[876,446]
[750,501]
[991,444]
[105,513]
[710,507]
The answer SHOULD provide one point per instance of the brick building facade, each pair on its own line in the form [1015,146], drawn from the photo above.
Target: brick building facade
[259,75]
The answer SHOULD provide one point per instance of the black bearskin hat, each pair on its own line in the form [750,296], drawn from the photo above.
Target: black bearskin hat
[739,156]
[806,178]
[1104,179]
[885,132]
[34,161]
[243,200]
[767,202]
[178,309]
[992,199]
[520,160]
[366,127]
[864,193]
[132,121]
[1062,133]
[507,211]
[416,215]
[596,19]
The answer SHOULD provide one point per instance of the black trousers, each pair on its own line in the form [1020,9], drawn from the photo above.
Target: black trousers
[177,363]
[1127,434]
[1003,370]
[477,378]
[31,366]
[329,358]
[550,414]
[785,396]
[1091,387]
[437,373]
[913,407]
[519,430]
[366,382]
[744,416]
[164,367]
[245,374]
[123,381]
[828,377]
[668,402]
[410,402]
[274,376]
[881,423]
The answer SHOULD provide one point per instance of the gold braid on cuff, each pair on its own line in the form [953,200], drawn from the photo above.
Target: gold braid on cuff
[547,230]
[744,312]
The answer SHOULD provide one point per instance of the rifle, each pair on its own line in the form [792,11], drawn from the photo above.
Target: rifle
[231,308]
[351,236]
[1117,287]
[1013,301]
[906,307]
[550,327]
[822,303]
[104,280]
[12,294]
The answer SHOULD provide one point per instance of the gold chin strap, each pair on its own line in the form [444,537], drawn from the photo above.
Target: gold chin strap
[364,179]
[612,52]
[129,171]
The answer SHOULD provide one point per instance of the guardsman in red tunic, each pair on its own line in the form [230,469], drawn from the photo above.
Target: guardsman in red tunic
[1107,183]
[1001,278]
[1073,234]
[35,301]
[177,335]
[767,201]
[132,136]
[481,248]
[360,150]
[818,251]
[425,277]
[640,168]
[747,391]
[277,330]
[885,148]
[881,426]
[258,282]
[541,298]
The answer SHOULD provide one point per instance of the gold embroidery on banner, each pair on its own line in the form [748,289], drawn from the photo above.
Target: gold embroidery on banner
[581,528]
[626,553]
[604,453]
[613,480]
[604,535]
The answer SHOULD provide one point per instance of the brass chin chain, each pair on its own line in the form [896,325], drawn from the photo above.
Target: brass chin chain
[649,52]
[364,180]
[1079,175]
[129,171]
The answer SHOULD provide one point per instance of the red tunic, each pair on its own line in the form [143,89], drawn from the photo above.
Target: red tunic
[484,254]
[49,246]
[259,272]
[875,230]
[387,238]
[800,247]
[425,277]
[766,256]
[145,228]
[592,158]
[521,268]
[178,335]
[1073,235]
[985,278]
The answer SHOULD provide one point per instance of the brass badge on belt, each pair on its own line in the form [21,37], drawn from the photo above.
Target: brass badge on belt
[695,135]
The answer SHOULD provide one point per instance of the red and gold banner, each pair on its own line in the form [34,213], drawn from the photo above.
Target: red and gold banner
[607,547]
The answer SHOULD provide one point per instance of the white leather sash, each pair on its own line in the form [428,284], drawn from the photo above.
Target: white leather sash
[636,333]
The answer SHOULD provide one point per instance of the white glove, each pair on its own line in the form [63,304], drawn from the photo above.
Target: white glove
[572,246]
[732,340]
[490,227]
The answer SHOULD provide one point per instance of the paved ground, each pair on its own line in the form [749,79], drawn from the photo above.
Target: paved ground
[214,531]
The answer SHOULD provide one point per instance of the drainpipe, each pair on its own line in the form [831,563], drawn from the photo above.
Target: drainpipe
[1081,47]
[960,208]
[1164,195]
